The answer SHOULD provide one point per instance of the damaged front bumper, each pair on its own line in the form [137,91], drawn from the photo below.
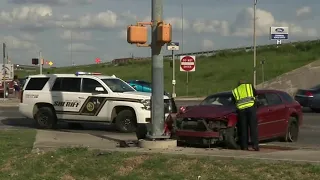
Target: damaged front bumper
[201,131]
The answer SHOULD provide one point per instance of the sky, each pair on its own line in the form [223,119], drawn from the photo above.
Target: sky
[83,30]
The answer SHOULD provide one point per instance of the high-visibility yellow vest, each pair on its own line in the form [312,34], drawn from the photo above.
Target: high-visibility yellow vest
[243,95]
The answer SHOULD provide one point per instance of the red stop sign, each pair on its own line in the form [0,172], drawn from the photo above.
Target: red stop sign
[187,63]
[98,60]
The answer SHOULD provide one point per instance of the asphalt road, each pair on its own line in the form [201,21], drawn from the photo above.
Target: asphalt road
[10,118]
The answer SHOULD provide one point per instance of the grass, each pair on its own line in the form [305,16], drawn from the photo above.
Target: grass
[215,73]
[17,163]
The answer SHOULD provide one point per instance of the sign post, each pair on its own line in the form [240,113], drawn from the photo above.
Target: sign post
[279,34]
[4,71]
[188,64]
[173,46]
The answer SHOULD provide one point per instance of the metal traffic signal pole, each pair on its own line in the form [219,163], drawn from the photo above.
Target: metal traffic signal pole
[254,44]
[157,102]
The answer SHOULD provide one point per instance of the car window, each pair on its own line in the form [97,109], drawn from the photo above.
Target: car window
[89,85]
[117,85]
[36,83]
[286,97]
[222,100]
[67,84]
[273,99]
[262,100]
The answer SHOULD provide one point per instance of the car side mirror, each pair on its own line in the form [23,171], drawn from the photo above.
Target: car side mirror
[99,89]
[134,87]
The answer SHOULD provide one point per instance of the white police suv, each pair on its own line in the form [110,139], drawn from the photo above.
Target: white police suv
[85,97]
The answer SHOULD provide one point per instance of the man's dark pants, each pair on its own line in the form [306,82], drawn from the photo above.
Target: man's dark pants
[248,119]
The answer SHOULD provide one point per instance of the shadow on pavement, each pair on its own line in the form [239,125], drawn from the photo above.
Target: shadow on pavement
[62,126]
[18,122]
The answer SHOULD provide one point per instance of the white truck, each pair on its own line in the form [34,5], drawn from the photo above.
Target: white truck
[85,97]
[6,77]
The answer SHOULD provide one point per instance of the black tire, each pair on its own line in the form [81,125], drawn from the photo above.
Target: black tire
[292,133]
[45,118]
[231,138]
[6,93]
[126,121]
[316,110]
[141,131]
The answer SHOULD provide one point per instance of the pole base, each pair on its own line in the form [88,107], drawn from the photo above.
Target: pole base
[157,144]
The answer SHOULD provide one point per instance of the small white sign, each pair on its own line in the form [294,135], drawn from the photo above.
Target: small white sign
[173,46]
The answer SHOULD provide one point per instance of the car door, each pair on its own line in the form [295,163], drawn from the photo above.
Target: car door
[276,116]
[65,98]
[262,116]
[95,102]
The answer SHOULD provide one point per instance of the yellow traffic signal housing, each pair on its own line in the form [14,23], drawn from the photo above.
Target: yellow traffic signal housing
[164,33]
[137,34]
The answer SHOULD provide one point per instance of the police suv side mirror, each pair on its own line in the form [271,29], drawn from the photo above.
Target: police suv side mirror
[99,89]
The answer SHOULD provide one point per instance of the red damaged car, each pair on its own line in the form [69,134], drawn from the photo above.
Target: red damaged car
[214,120]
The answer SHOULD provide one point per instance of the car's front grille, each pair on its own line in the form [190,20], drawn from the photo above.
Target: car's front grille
[193,124]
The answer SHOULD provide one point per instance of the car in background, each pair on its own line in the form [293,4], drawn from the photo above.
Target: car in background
[215,119]
[143,86]
[309,98]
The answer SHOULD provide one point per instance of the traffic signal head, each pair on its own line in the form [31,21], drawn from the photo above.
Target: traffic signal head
[35,61]
[137,34]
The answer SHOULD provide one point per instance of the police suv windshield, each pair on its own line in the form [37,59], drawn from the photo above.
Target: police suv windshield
[117,85]
[221,100]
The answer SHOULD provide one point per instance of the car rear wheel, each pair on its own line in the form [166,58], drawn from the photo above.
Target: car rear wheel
[231,138]
[126,121]
[45,118]
[6,94]
[292,133]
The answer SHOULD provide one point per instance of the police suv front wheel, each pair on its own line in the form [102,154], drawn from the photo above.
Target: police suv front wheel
[45,118]
[126,121]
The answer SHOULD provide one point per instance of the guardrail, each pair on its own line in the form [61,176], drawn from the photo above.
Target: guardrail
[248,48]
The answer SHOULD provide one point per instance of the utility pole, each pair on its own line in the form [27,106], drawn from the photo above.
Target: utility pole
[173,76]
[254,45]
[71,59]
[157,101]
[4,71]
[40,61]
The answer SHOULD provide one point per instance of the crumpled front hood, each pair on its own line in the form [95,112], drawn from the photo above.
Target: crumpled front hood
[207,111]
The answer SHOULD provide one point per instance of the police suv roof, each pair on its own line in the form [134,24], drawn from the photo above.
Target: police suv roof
[72,75]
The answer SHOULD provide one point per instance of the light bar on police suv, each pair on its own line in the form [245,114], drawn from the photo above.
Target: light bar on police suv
[87,73]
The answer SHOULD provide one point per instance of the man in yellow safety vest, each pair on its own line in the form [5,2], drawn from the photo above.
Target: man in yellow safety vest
[244,96]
